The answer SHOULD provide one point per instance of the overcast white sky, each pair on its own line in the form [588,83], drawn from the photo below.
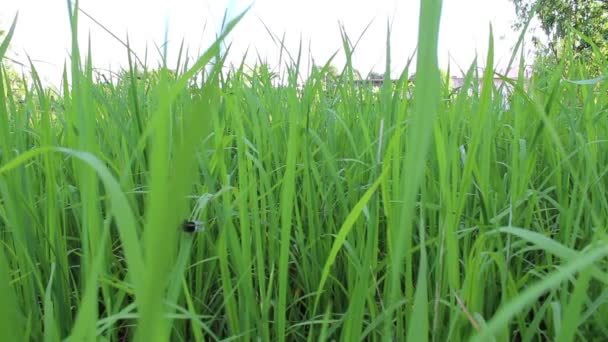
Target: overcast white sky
[43,29]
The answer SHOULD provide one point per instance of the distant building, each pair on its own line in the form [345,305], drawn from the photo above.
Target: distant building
[377,80]
[511,74]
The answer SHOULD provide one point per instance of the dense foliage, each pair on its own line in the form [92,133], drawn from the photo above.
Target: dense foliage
[330,213]
[585,22]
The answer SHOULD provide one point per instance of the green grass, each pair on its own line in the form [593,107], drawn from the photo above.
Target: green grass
[332,211]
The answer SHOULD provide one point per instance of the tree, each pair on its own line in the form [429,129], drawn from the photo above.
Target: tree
[558,18]
[333,73]
[375,76]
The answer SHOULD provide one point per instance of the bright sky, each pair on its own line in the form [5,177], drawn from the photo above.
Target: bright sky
[43,30]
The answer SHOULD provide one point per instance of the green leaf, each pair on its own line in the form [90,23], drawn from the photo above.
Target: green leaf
[7,39]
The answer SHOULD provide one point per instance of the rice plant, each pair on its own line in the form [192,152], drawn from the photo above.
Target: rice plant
[195,203]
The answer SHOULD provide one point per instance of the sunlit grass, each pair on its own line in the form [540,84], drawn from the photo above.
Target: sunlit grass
[332,211]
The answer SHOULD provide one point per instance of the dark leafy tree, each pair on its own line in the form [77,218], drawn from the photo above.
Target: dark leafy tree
[375,76]
[558,18]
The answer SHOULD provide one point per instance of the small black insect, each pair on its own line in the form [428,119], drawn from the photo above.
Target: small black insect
[192,226]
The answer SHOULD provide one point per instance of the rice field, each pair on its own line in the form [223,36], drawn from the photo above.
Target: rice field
[322,208]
